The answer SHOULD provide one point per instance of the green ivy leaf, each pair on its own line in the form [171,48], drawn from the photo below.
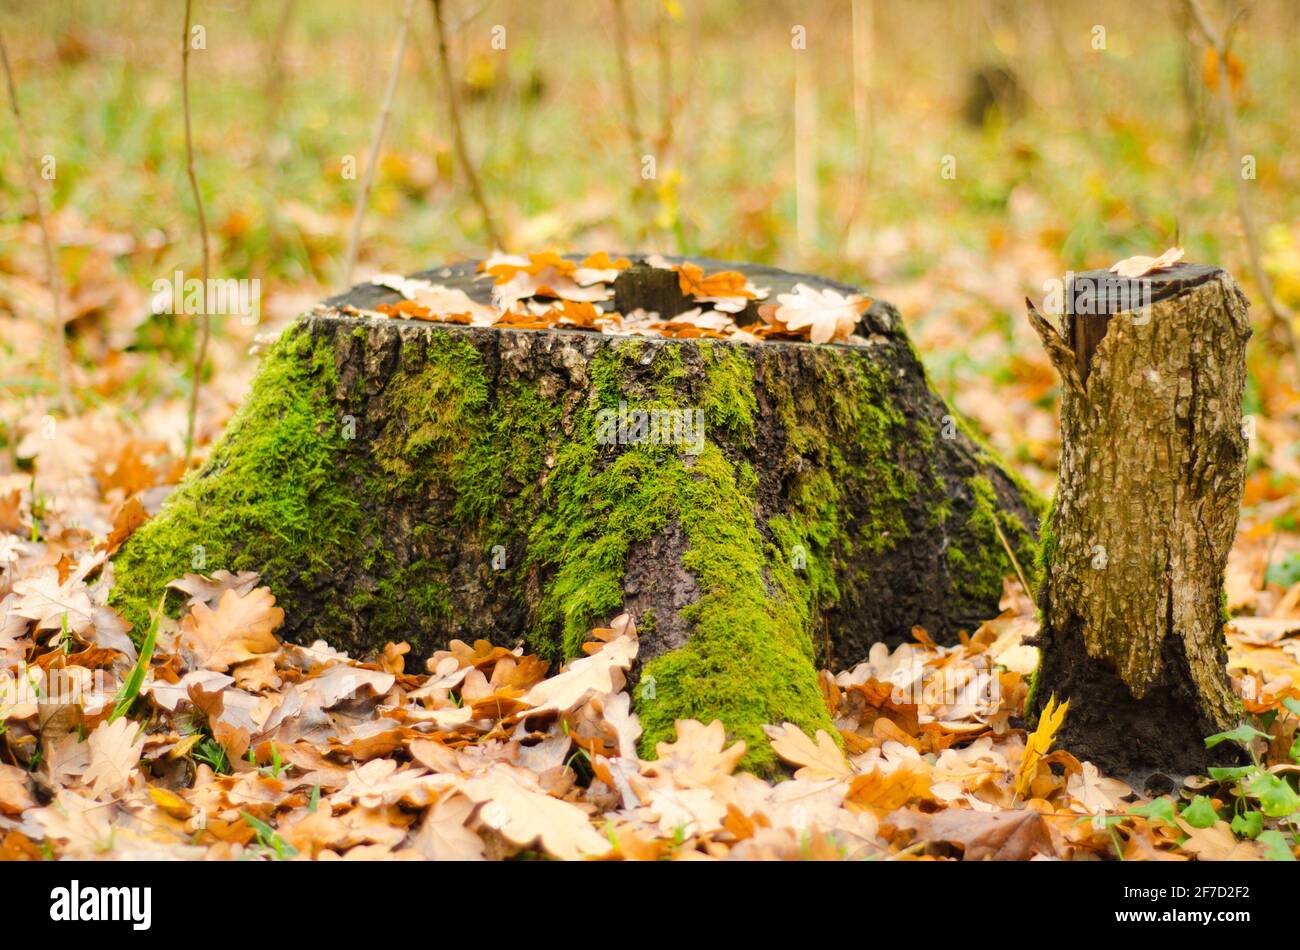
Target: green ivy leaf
[1200,813]
[1242,735]
[1161,809]
[1276,796]
[1231,774]
[1248,824]
[1275,845]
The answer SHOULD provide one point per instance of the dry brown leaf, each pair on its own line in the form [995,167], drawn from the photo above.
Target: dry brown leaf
[1140,266]
[15,794]
[600,673]
[817,761]
[239,629]
[443,835]
[115,749]
[997,835]
[524,815]
[208,590]
[129,516]
[883,792]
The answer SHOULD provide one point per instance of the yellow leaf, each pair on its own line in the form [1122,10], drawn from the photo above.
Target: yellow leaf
[883,792]
[170,802]
[1039,742]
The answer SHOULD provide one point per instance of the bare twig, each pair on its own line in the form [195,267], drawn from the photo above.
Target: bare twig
[205,327]
[1221,43]
[667,100]
[458,131]
[627,85]
[376,141]
[1015,562]
[274,96]
[805,153]
[863,28]
[58,342]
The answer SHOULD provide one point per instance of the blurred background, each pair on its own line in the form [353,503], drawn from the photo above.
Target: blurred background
[949,157]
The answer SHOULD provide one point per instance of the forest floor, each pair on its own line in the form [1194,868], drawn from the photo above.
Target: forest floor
[241,745]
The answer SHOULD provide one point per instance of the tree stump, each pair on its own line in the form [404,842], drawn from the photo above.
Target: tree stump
[404,480]
[1152,468]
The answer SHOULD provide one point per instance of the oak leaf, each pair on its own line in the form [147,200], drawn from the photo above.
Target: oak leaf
[129,516]
[884,792]
[994,835]
[827,315]
[1132,267]
[1039,742]
[443,835]
[524,815]
[820,760]
[208,590]
[15,795]
[600,673]
[239,629]
[115,749]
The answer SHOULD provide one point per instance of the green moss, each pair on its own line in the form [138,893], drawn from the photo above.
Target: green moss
[506,457]
[727,398]
[407,594]
[1031,697]
[274,496]
[749,659]
[978,565]
[433,408]
[1046,547]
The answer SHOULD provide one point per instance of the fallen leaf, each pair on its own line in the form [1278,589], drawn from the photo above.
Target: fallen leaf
[115,749]
[993,835]
[1139,266]
[821,760]
[239,629]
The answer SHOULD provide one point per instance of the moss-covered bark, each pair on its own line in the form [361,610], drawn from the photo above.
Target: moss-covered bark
[407,481]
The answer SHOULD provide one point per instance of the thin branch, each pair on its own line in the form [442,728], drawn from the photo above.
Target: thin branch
[205,328]
[457,130]
[376,141]
[863,31]
[1015,562]
[667,101]
[274,79]
[806,199]
[1222,46]
[58,341]
[627,85]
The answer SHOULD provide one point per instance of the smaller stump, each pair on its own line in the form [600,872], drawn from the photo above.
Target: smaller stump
[1153,462]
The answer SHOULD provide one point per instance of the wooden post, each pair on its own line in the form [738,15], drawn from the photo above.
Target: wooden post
[1153,462]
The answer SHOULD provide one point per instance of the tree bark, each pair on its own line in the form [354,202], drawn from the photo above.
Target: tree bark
[405,480]
[1152,468]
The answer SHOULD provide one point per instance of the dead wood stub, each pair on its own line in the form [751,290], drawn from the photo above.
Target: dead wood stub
[1151,476]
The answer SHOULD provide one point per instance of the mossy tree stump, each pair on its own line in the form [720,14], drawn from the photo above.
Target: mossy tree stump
[404,480]
[1152,467]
